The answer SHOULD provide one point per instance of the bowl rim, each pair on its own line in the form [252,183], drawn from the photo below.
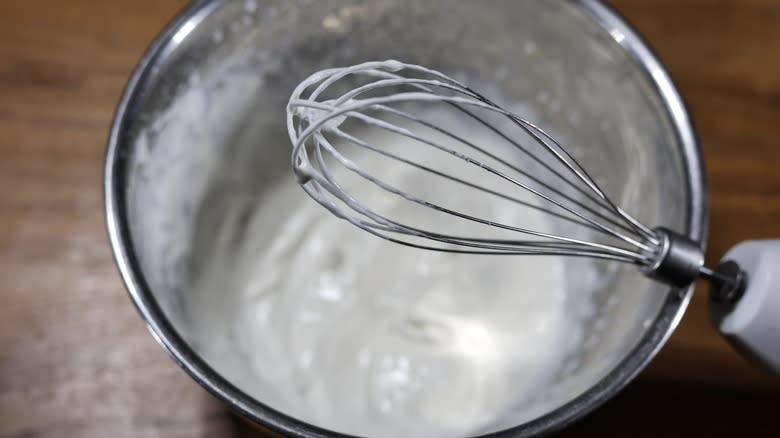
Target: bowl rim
[117,223]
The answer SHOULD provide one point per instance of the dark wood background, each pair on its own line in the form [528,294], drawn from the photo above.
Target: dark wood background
[75,359]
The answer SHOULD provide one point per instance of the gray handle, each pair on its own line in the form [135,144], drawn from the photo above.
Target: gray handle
[751,322]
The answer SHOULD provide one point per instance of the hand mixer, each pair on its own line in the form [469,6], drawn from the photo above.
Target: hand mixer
[329,113]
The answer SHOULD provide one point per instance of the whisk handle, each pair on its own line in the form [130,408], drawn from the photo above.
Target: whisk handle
[750,319]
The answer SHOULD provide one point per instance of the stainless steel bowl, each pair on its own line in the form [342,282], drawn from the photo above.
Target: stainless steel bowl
[581,68]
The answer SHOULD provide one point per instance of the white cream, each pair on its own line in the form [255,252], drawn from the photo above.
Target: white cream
[337,327]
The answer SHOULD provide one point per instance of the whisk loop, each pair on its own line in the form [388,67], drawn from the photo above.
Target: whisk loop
[327,112]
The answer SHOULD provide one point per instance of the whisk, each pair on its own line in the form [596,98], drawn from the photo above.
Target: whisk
[329,113]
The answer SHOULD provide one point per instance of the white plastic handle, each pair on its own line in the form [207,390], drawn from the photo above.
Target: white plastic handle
[752,323]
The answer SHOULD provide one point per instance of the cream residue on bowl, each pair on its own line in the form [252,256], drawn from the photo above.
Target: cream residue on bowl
[342,329]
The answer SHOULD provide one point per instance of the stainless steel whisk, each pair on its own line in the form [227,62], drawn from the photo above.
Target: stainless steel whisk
[331,108]
[313,123]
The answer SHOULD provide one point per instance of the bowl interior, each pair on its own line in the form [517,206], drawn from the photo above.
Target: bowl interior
[207,138]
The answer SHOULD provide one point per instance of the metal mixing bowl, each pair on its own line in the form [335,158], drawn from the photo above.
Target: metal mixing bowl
[580,67]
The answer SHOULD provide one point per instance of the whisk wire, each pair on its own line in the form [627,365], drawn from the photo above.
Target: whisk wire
[539,135]
[351,110]
[526,174]
[354,140]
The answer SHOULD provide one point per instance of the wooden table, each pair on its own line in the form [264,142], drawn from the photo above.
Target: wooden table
[75,359]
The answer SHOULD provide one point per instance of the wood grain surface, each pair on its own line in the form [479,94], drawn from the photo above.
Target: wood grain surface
[75,358]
